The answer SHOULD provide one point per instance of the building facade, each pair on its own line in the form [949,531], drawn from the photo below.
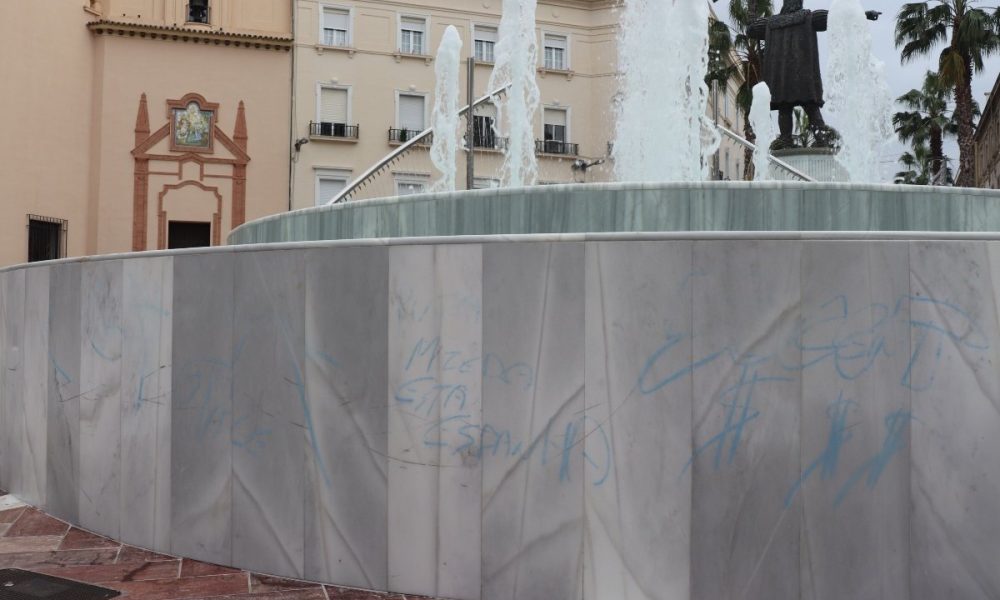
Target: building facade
[141,124]
[364,82]
[988,142]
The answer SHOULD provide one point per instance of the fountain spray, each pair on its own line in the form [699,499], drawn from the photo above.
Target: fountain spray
[444,149]
[763,125]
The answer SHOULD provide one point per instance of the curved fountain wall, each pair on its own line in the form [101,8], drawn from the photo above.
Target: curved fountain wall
[662,416]
[631,207]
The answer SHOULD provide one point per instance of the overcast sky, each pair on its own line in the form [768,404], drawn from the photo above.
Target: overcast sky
[901,78]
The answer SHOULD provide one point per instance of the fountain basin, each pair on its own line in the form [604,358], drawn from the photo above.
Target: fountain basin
[703,206]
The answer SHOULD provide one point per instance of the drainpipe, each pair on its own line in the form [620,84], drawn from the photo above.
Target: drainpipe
[292,158]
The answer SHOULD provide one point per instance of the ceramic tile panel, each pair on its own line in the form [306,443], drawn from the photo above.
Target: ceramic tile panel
[435,477]
[638,420]
[271,423]
[854,480]
[531,437]
[346,467]
[100,396]
[954,425]
[745,447]
[12,382]
[145,401]
[63,436]
[33,427]
[201,409]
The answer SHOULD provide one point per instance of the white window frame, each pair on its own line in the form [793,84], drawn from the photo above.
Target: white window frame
[423,179]
[569,120]
[320,86]
[399,33]
[492,183]
[424,95]
[493,26]
[350,23]
[328,173]
[568,55]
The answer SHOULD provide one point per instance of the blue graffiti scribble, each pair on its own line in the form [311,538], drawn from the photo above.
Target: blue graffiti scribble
[896,425]
[838,435]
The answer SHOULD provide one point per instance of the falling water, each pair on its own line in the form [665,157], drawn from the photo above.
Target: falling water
[763,125]
[857,93]
[445,121]
[516,56]
[663,133]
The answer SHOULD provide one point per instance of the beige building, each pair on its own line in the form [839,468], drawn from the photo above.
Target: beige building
[364,82]
[140,124]
[988,142]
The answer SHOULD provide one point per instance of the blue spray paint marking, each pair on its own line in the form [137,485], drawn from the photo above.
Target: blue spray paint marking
[60,372]
[836,438]
[896,424]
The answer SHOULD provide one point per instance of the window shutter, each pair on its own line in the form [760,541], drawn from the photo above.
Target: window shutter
[333,106]
[486,34]
[555,41]
[413,24]
[328,188]
[334,18]
[555,117]
[411,112]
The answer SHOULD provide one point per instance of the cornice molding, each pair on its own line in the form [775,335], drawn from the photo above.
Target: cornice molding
[190,34]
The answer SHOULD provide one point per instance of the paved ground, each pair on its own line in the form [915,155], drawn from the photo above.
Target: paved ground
[34,541]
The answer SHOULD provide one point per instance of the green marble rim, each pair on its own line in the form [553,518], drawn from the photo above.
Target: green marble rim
[640,207]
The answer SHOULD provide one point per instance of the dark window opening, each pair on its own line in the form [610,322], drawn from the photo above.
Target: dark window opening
[187,234]
[197,11]
[46,238]
[483,135]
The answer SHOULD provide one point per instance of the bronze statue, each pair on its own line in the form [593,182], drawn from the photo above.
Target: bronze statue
[791,67]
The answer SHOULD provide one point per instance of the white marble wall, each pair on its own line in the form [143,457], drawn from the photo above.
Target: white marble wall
[516,420]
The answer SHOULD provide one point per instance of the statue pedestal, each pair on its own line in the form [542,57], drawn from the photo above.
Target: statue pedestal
[819,163]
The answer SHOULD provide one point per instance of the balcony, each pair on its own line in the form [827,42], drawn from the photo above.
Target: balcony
[401,136]
[489,141]
[337,131]
[556,147]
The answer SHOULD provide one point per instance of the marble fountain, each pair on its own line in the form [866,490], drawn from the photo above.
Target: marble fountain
[670,391]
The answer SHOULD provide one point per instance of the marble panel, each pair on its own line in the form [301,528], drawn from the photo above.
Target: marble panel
[533,422]
[63,437]
[854,484]
[100,396]
[201,408]
[13,291]
[745,447]
[955,421]
[638,420]
[435,476]
[146,312]
[271,423]
[33,432]
[346,467]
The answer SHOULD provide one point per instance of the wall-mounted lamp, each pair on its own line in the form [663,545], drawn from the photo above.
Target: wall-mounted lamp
[300,142]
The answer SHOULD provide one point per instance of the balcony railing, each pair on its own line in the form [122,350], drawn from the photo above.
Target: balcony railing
[334,130]
[401,136]
[556,147]
[489,141]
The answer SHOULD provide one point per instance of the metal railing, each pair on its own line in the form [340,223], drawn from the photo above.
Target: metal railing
[777,161]
[489,141]
[373,171]
[334,130]
[556,147]
[399,136]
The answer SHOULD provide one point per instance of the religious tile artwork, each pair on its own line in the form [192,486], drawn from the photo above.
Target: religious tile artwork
[191,127]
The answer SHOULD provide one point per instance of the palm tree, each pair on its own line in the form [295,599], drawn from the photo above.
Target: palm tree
[916,165]
[971,35]
[723,42]
[928,118]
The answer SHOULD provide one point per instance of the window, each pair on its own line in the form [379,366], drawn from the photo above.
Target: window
[329,183]
[409,184]
[188,234]
[555,52]
[412,31]
[46,238]
[485,43]
[333,112]
[197,11]
[336,26]
[412,114]
[485,183]
[555,130]
[483,135]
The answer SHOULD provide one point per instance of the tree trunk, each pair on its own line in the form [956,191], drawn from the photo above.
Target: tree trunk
[966,129]
[937,157]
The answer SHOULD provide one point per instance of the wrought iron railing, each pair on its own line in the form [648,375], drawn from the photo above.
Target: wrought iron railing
[556,147]
[489,141]
[334,130]
[400,136]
